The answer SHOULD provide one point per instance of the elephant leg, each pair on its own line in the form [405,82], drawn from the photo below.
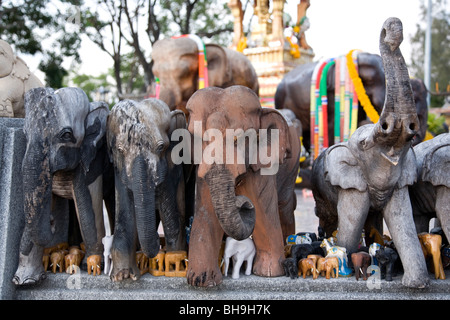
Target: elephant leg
[248,269]
[237,264]
[226,261]
[443,209]
[204,242]
[95,191]
[124,244]
[267,234]
[399,220]
[353,207]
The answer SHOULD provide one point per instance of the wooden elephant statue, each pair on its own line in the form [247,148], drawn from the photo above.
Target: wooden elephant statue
[93,264]
[72,261]
[176,258]
[57,261]
[361,261]
[306,266]
[156,264]
[431,246]
[329,266]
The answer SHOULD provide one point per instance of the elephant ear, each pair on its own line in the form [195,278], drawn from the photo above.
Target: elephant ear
[342,169]
[95,129]
[409,170]
[270,120]
[219,69]
[20,69]
[436,165]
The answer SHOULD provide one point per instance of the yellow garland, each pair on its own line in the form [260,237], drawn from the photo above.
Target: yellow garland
[242,44]
[295,50]
[360,91]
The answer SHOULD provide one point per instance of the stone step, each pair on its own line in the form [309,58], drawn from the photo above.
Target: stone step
[62,286]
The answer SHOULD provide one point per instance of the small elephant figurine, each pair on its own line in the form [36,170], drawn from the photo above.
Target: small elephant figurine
[240,251]
[93,264]
[329,266]
[307,266]
[361,261]
[142,262]
[431,246]
[107,244]
[156,264]
[15,79]
[175,258]
[340,253]
[386,258]
[290,267]
[73,261]
[57,261]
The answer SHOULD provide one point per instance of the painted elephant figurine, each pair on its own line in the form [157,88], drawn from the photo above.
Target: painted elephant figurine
[431,193]
[431,246]
[240,251]
[65,159]
[366,178]
[148,183]
[361,261]
[15,80]
[238,192]
[176,64]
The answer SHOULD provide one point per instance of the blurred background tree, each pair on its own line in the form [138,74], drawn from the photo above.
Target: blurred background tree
[440,50]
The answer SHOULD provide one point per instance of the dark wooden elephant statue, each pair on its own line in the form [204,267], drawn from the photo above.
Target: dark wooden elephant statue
[242,188]
[176,65]
[65,158]
[149,186]
[431,193]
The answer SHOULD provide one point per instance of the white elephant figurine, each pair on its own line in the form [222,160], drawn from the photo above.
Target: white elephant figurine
[107,244]
[240,251]
[15,80]
[340,253]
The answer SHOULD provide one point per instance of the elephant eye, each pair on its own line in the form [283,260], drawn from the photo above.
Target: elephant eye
[66,135]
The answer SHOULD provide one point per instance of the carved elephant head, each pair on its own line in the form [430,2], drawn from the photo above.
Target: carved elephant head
[176,64]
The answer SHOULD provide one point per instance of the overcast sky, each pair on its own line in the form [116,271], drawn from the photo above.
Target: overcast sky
[337,26]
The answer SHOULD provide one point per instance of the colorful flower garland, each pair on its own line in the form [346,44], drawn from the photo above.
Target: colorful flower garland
[359,89]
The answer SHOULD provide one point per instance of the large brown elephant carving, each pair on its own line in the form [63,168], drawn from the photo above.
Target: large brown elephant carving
[240,195]
[176,64]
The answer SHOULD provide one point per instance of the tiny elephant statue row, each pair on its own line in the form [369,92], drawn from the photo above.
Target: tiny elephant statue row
[169,264]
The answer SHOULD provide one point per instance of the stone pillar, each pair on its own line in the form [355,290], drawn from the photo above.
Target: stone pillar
[12,219]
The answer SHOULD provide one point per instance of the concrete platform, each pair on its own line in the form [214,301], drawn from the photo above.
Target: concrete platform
[62,286]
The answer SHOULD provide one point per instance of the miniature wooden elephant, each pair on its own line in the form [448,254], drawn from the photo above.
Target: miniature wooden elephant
[142,262]
[240,251]
[306,266]
[156,264]
[361,261]
[176,258]
[57,261]
[93,264]
[73,261]
[431,247]
[329,266]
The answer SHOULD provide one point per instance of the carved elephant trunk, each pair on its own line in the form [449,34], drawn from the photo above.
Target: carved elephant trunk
[398,122]
[144,198]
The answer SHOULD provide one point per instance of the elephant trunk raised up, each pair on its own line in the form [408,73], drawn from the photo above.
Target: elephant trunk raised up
[144,198]
[236,214]
[398,122]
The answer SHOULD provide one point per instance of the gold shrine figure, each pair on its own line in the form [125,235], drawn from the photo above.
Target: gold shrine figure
[270,52]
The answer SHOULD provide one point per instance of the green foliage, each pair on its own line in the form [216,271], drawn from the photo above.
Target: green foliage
[440,50]
[436,124]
